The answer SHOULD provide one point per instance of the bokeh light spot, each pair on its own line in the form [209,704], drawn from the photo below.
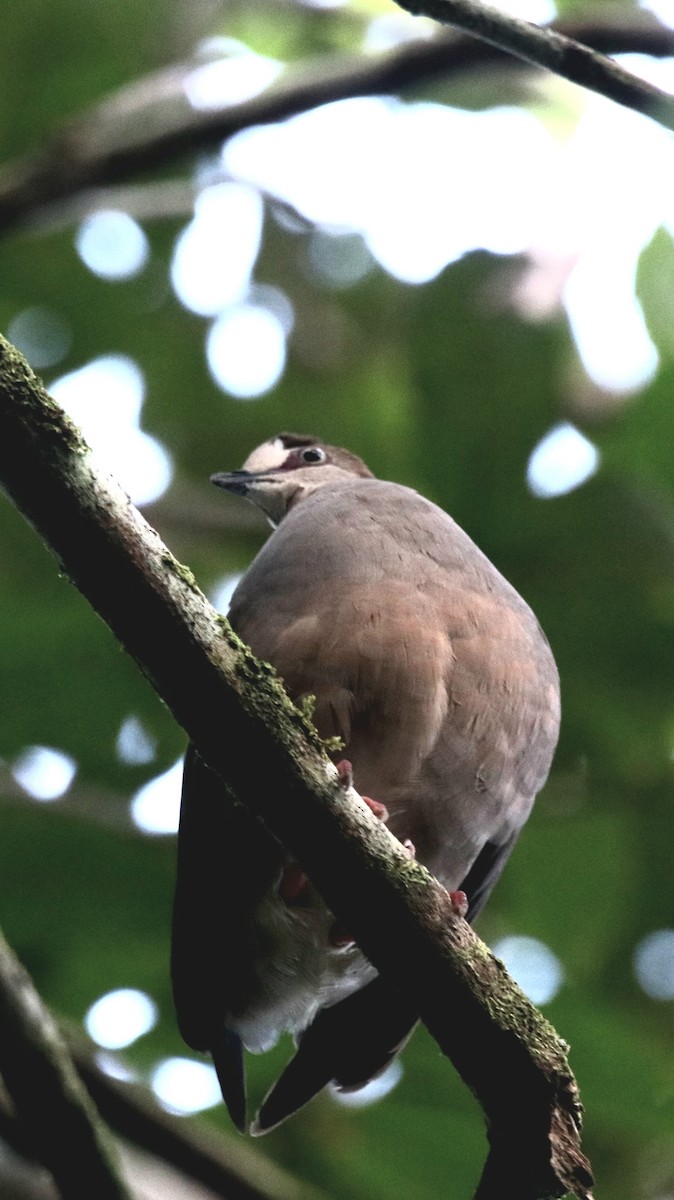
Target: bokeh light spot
[616,349]
[339,260]
[114,1066]
[662,9]
[105,398]
[44,336]
[215,255]
[538,11]
[231,79]
[562,461]
[246,351]
[45,773]
[532,965]
[112,245]
[155,808]
[373,1091]
[183,1085]
[221,595]
[120,1017]
[135,745]
[654,964]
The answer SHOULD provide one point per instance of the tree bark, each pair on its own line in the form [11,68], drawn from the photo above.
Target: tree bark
[552,50]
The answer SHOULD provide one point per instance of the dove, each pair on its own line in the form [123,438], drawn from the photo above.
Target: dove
[441,686]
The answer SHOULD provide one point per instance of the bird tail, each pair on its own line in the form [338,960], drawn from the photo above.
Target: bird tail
[347,1045]
[229,1068]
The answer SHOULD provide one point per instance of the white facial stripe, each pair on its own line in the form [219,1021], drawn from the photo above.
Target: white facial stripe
[267,456]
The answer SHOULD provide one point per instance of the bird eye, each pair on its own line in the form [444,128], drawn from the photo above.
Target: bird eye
[313,454]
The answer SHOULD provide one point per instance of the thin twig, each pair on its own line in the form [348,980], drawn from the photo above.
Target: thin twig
[52,1106]
[552,50]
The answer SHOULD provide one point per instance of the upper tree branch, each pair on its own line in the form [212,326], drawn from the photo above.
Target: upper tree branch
[246,729]
[552,50]
[150,123]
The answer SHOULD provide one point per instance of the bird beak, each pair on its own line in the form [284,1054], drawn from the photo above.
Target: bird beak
[257,487]
[237,482]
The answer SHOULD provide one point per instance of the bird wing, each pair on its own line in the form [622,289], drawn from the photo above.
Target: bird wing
[226,863]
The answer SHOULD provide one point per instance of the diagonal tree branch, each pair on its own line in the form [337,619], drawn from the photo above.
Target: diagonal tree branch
[150,123]
[246,729]
[225,1165]
[52,1106]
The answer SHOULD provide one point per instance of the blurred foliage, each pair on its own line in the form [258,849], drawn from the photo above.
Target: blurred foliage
[445,387]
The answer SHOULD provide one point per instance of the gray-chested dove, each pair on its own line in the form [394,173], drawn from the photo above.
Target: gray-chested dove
[438,680]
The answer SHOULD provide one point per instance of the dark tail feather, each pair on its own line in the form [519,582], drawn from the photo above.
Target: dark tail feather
[348,1045]
[229,1068]
[484,873]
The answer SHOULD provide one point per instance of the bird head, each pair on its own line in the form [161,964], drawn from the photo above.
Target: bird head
[288,468]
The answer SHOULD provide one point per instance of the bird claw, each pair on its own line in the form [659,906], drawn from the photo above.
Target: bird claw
[344,773]
[294,882]
[345,779]
[459,902]
[338,936]
[375,806]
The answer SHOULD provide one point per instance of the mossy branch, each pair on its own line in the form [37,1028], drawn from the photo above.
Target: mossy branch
[244,726]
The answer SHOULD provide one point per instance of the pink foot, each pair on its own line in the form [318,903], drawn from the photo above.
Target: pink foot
[375,806]
[339,937]
[459,902]
[345,773]
[293,882]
